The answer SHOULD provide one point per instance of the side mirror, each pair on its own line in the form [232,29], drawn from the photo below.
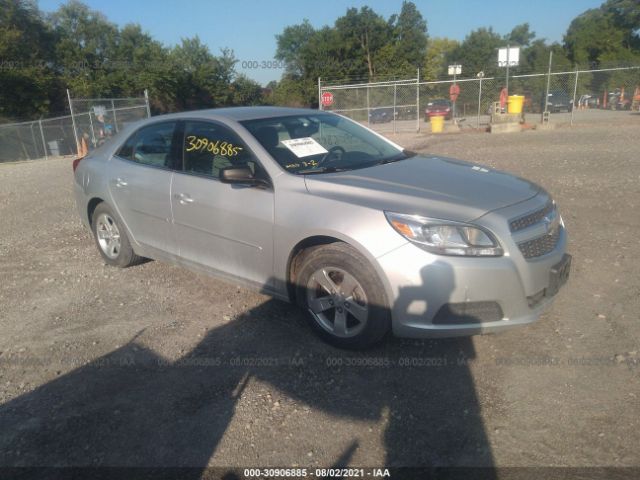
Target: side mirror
[239,175]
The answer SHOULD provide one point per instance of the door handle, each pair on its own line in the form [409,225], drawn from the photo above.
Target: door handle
[120,182]
[183,198]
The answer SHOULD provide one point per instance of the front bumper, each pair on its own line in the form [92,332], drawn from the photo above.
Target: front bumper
[429,291]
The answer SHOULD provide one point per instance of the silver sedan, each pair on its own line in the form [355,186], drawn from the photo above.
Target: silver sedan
[314,208]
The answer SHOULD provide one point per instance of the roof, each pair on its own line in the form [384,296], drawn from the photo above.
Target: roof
[240,113]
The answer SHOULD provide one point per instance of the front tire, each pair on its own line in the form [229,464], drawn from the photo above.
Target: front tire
[111,238]
[344,296]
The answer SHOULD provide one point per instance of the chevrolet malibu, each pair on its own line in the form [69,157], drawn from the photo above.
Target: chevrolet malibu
[313,208]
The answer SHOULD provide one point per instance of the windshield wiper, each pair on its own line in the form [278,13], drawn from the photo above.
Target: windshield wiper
[313,171]
[401,156]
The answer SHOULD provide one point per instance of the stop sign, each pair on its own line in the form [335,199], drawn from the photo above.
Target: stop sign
[327,99]
[454,91]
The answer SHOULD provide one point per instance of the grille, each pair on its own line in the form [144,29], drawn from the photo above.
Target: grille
[540,246]
[529,219]
[468,312]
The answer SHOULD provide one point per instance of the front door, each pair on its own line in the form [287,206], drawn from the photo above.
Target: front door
[225,228]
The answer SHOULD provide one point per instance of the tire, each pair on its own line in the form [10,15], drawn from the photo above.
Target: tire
[346,318]
[111,238]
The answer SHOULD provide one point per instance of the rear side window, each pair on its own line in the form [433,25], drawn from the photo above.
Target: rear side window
[151,145]
[209,147]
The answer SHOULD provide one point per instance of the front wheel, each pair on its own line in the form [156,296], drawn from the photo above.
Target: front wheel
[111,238]
[344,296]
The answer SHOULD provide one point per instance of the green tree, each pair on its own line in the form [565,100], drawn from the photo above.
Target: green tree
[245,91]
[364,32]
[291,44]
[26,74]
[439,52]
[521,35]
[605,34]
[479,52]
[410,34]
[202,80]
[140,63]
[290,92]
[85,41]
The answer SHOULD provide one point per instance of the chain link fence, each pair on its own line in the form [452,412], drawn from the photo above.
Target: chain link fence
[404,105]
[92,123]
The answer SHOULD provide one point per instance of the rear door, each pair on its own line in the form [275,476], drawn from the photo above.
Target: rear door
[225,228]
[140,184]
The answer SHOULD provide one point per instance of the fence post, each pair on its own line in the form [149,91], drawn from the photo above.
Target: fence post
[319,94]
[479,102]
[418,101]
[368,120]
[546,95]
[73,122]
[395,100]
[146,101]
[115,120]
[44,144]
[94,142]
[35,144]
[575,90]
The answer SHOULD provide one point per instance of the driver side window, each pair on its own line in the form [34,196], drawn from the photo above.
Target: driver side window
[209,147]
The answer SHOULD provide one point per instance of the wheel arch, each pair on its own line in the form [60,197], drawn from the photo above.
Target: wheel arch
[297,255]
[306,245]
[91,207]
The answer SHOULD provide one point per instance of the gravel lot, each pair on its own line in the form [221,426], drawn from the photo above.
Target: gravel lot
[158,366]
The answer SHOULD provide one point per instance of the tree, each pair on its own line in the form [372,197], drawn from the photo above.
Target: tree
[479,52]
[439,52]
[26,75]
[290,92]
[291,44]
[202,80]
[610,32]
[85,42]
[140,63]
[364,32]
[245,91]
[520,35]
[410,34]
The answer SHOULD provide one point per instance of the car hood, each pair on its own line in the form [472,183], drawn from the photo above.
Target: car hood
[426,185]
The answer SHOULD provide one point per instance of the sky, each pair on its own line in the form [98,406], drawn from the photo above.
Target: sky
[249,27]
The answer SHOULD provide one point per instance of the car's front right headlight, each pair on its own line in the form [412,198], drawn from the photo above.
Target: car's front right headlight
[445,237]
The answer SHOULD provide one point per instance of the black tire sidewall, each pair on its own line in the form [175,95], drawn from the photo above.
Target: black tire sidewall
[126,257]
[345,257]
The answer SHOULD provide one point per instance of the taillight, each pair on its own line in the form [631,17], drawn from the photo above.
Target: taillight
[75,163]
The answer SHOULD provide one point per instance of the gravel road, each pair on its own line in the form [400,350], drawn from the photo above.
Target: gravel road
[158,366]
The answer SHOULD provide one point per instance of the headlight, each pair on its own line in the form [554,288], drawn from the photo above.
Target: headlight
[445,237]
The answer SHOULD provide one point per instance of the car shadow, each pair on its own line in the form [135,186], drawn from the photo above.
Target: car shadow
[133,407]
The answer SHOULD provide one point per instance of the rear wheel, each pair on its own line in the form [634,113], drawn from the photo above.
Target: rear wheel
[111,238]
[345,298]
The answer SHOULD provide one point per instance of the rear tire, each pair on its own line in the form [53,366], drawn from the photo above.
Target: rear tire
[344,297]
[111,238]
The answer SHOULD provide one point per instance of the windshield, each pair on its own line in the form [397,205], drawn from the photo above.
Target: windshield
[320,143]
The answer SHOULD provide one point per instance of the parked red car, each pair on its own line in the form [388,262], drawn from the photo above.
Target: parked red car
[441,107]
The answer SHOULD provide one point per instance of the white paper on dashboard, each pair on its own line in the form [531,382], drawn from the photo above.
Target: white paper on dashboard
[304,147]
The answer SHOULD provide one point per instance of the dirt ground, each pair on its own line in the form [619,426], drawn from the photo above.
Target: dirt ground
[158,366]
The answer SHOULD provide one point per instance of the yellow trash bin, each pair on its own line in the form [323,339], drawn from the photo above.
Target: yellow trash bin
[515,103]
[437,124]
